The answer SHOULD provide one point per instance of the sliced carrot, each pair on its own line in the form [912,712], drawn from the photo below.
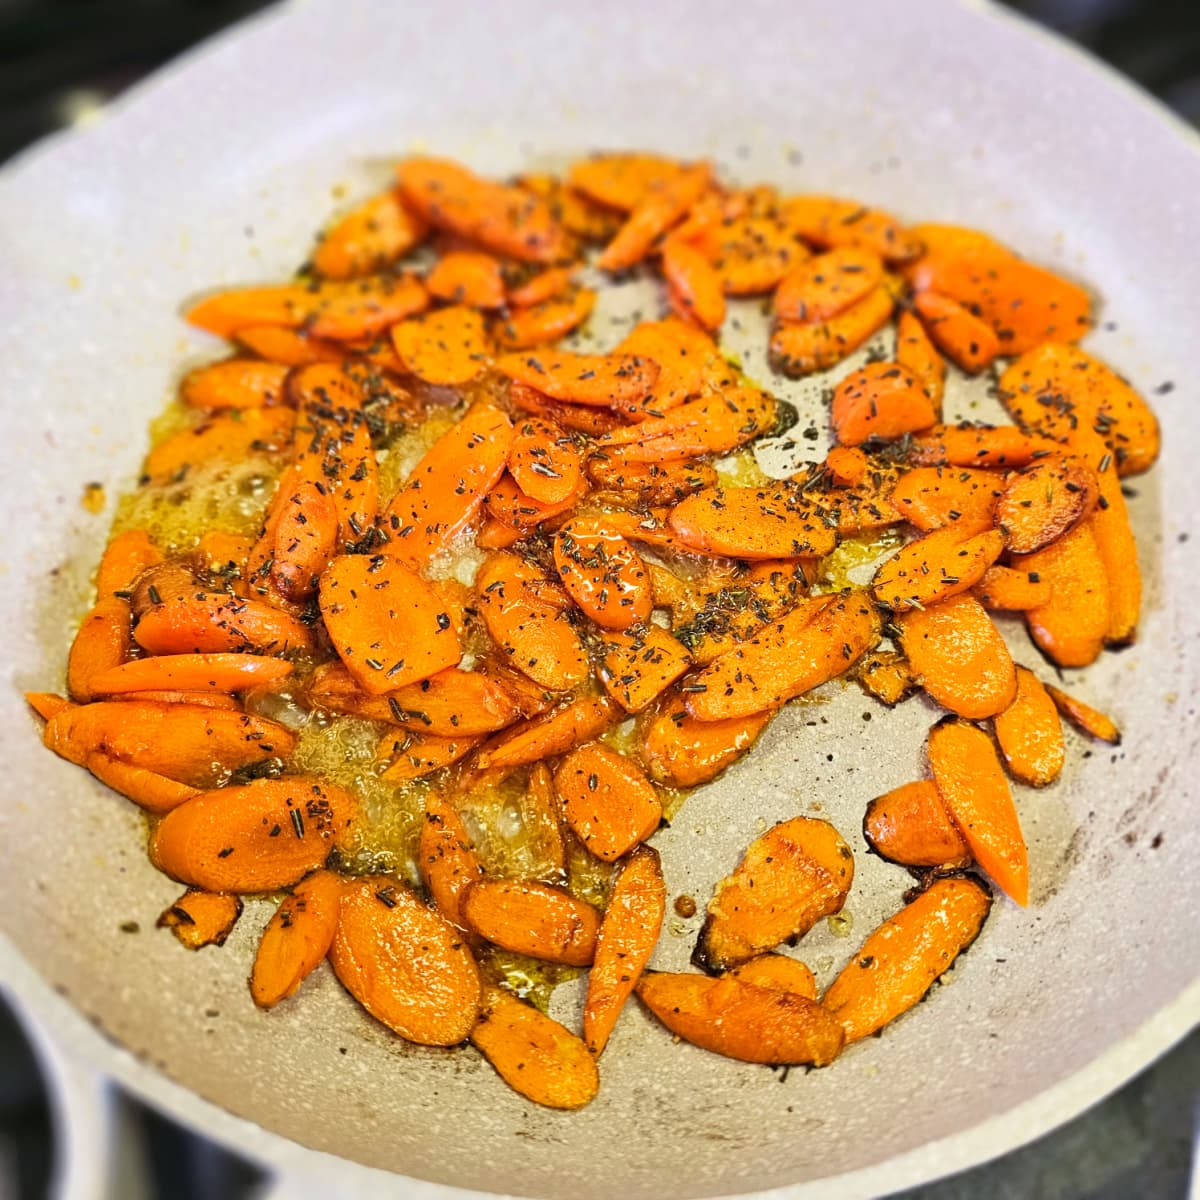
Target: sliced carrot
[606,380]
[881,400]
[639,666]
[622,180]
[1071,627]
[234,384]
[807,647]
[446,488]
[742,1021]
[1024,304]
[174,578]
[125,557]
[289,347]
[467,277]
[148,789]
[1084,716]
[957,653]
[207,623]
[886,676]
[533,1053]
[830,283]
[531,918]
[649,527]
[368,238]
[847,465]
[628,934]
[694,286]
[643,484]
[789,878]
[447,347]
[577,212]
[387,624]
[225,437]
[579,417]
[777,973]
[327,388]
[971,783]
[219,552]
[981,446]
[192,672]
[47,704]
[554,732]
[603,573]
[751,523]
[751,254]
[903,958]
[664,203]
[935,567]
[918,354]
[854,510]
[404,963]
[161,696]
[265,835]
[545,285]
[297,938]
[446,857]
[797,349]
[831,221]
[199,919]
[415,755]
[967,341]
[607,801]
[910,825]
[544,461]
[102,642]
[519,512]
[306,536]
[335,455]
[540,811]
[939,497]
[546,321]
[335,309]
[1043,501]
[686,357]
[1015,591]
[682,752]
[495,535]
[1030,734]
[527,617]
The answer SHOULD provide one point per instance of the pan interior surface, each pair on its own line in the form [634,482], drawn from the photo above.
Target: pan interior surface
[218,173]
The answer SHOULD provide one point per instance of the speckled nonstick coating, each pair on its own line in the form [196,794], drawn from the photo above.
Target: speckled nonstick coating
[218,171]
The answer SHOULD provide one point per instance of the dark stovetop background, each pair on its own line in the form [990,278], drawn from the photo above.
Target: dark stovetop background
[60,58]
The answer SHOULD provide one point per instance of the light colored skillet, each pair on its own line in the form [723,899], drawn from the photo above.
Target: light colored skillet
[218,171]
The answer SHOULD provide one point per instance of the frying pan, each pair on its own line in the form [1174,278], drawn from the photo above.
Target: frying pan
[218,171]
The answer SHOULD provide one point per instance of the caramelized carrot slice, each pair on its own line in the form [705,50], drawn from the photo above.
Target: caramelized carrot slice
[935,567]
[831,221]
[1006,589]
[545,285]
[901,960]
[546,321]
[815,642]
[414,755]
[1030,733]
[519,512]
[446,857]
[693,284]
[540,809]
[971,783]
[742,1021]
[537,919]
[751,254]
[297,938]
[199,919]
[1043,501]
[577,212]
[533,1053]
[206,623]
[225,437]
[47,704]
[1024,304]
[192,672]
[916,353]
[957,653]
[881,400]
[628,933]
[448,347]
[333,453]
[607,800]
[159,696]
[606,380]
[777,973]
[682,752]
[404,963]
[545,462]
[967,341]
[948,497]
[570,416]
[798,349]
[387,624]
[622,180]
[885,675]
[555,732]
[847,465]
[664,203]
[306,536]
[220,552]
[289,347]
[508,221]
[1084,717]
[1071,627]
[649,483]
[446,488]
[793,875]
[527,616]
[125,557]
[910,825]
[341,310]
[981,446]
[102,642]
[638,666]
[751,523]
[828,284]
[148,789]
[467,277]
[234,384]
[368,238]
[265,835]
[686,357]
[603,573]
